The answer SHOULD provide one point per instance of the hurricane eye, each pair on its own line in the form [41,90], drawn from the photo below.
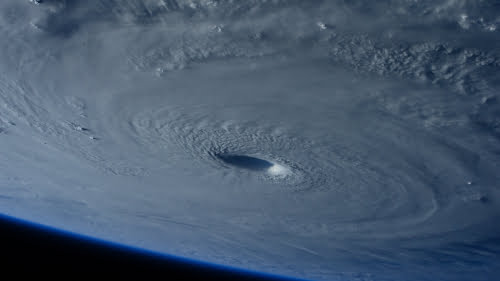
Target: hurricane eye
[246,162]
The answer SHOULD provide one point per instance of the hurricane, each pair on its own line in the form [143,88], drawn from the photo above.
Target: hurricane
[324,140]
